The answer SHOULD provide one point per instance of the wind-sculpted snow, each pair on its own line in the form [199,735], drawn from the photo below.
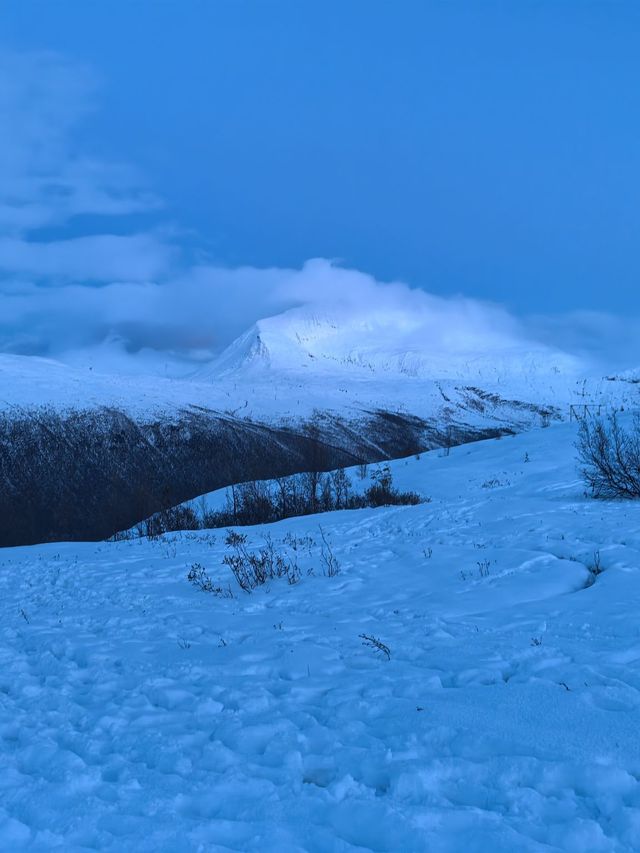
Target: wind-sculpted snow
[140,713]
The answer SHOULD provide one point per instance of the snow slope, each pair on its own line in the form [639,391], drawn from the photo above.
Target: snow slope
[28,382]
[138,713]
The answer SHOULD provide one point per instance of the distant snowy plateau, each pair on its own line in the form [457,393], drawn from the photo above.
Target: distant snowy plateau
[84,452]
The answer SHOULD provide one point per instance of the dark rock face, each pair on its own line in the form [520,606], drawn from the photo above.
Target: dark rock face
[87,474]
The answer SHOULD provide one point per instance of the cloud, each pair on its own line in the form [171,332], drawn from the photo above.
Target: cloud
[48,287]
[610,342]
[127,296]
[446,322]
[43,179]
[99,258]
[198,312]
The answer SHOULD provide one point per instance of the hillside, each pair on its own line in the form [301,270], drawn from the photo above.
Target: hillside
[143,713]
[85,453]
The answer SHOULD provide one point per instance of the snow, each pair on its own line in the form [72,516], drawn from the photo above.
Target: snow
[273,393]
[288,366]
[139,713]
[383,341]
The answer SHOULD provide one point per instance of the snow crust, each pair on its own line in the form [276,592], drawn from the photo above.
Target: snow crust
[138,713]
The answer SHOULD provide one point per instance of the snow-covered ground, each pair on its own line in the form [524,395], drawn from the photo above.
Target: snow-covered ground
[139,713]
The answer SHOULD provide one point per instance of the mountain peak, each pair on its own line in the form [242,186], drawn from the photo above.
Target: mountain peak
[384,342]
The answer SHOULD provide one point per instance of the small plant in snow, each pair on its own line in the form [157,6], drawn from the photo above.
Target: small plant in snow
[376,644]
[199,577]
[297,543]
[595,567]
[330,565]
[491,484]
[483,568]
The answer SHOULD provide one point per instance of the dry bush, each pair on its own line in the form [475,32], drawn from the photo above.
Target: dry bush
[610,457]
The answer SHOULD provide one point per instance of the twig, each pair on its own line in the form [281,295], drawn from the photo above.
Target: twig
[375,643]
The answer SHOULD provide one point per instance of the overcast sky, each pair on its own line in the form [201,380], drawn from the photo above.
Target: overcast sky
[167,168]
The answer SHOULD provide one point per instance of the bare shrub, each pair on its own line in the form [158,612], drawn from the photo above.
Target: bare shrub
[610,457]
[180,517]
[306,494]
[383,493]
[330,565]
[254,568]
[266,501]
[199,577]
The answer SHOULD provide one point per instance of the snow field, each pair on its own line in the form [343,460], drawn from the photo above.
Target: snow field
[139,713]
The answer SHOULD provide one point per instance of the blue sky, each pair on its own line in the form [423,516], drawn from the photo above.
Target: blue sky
[478,148]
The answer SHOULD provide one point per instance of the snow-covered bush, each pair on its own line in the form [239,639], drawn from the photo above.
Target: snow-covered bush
[610,457]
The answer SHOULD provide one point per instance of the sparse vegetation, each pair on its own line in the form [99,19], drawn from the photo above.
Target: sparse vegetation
[176,518]
[254,568]
[484,570]
[266,501]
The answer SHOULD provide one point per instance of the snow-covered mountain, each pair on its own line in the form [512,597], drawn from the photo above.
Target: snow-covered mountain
[372,359]
[375,385]
[385,343]
[288,365]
